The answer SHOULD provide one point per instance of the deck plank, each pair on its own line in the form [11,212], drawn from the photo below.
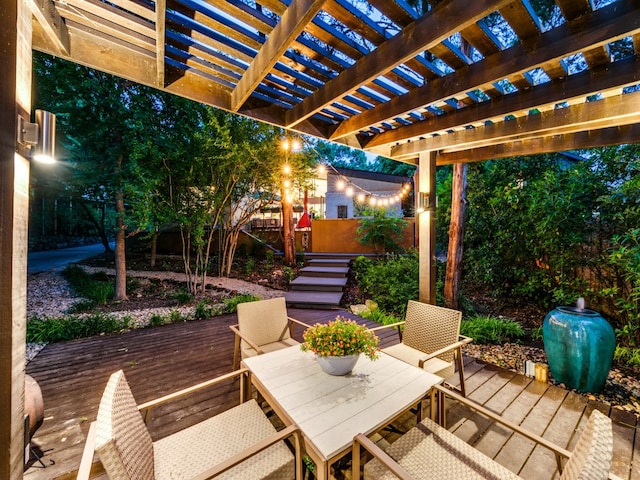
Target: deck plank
[516,451]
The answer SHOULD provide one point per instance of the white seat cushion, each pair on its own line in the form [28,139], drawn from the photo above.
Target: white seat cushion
[202,446]
[412,356]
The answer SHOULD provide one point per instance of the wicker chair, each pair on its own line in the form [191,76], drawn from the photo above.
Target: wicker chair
[263,326]
[429,451]
[431,340]
[238,443]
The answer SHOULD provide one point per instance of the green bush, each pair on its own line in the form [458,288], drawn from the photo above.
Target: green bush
[46,330]
[379,316]
[627,355]
[486,329]
[203,310]
[97,287]
[231,304]
[182,297]
[380,231]
[391,281]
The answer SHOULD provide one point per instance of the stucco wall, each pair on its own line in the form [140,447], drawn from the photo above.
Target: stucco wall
[338,235]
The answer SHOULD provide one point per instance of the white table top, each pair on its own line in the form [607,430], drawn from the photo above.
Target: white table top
[331,410]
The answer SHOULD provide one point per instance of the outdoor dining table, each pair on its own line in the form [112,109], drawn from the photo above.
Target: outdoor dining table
[331,410]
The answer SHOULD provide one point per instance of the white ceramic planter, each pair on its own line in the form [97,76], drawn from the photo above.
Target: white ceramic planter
[338,365]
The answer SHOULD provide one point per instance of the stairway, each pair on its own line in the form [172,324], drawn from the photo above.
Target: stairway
[321,282]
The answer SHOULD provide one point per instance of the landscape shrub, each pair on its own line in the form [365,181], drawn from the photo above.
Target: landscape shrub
[46,330]
[390,281]
[231,304]
[487,329]
[381,231]
[97,287]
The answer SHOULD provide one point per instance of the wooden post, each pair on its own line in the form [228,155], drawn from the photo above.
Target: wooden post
[15,99]
[427,228]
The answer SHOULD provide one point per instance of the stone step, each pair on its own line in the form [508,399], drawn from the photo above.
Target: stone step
[324,271]
[329,262]
[318,300]
[320,284]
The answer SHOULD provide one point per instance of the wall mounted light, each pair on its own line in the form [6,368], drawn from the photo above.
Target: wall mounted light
[424,202]
[41,134]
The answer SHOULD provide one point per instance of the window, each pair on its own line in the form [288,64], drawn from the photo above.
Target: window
[342,211]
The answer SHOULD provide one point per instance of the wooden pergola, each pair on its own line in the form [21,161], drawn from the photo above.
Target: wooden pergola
[468,80]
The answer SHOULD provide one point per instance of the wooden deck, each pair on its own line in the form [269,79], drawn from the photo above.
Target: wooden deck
[160,360]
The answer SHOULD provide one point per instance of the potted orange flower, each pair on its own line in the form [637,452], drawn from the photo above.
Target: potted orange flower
[339,343]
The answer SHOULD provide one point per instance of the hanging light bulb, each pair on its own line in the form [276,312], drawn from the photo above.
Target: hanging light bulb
[361,197]
[340,184]
[287,183]
[349,191]
[286,169]
[373,201]
[321,169]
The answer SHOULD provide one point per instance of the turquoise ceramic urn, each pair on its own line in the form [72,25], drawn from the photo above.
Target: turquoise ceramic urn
[579,344]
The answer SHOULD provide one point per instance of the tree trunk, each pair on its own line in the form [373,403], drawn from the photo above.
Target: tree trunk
[154,246]
[121,264]
[456,236]
[288,234]
[98,224]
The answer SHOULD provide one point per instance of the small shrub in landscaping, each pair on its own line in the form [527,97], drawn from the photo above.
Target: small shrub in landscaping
[46,330]
[82,306]
[627,355]
[379,316]
[486,329]
[182,297]
[97,287]
[203,310]
[231,304]
[157,319]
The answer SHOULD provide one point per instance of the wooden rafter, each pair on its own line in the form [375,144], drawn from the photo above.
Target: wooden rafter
[625,134]
[52,23]
[161,8]
[292,23]
[599,28]
[608,112]
[426,32]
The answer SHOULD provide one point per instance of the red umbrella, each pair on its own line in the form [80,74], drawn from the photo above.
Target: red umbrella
[305,221]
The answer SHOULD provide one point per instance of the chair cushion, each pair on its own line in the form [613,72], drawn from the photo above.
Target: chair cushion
[428,451]
[206,444]
[122,440]
[247,351]
[264,321]
[412,356]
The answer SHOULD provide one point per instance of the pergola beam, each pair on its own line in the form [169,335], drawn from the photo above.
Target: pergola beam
[608,112]
[603,26]
[626,134]
[161,17]
[425,33]
[572,89]
[52,24]
[292,23]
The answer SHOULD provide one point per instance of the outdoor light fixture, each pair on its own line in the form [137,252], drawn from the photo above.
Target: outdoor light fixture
[42,134]
[424,202]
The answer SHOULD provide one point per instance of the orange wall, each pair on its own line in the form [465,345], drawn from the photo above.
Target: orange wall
[338,235]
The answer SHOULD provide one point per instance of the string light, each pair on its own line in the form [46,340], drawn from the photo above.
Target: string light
[351,189]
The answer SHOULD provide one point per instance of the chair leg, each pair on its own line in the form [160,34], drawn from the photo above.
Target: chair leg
[236,353]
[460,362]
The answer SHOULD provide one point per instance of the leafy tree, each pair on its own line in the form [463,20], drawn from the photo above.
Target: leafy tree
[104,122]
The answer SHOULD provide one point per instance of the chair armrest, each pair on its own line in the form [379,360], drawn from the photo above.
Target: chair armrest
[84,471]
[558,451]
[298,322]
[397,324]
[362,440]
[448,348]
[256,448]
[251,343]
[147,406]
